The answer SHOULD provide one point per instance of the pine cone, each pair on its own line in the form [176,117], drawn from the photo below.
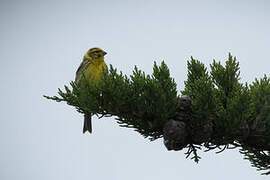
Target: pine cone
[175,135]
[184,103]
[183,109]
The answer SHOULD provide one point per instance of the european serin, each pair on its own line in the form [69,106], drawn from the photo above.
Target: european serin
[91,69]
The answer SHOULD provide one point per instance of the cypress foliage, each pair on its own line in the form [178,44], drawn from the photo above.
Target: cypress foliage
[222,113]
[142,102]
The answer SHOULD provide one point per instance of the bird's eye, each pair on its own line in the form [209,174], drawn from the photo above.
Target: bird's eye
[99,53]
[95,54]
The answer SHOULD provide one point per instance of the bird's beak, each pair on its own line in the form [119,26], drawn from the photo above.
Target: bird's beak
[104,53]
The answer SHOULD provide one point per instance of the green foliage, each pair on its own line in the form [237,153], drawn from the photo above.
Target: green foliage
[238,111]
[259,123]
[260,95]
[232,113]
[201,90]
[142,102]
[232,100]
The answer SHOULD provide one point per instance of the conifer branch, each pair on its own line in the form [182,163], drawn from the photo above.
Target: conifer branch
[214,111]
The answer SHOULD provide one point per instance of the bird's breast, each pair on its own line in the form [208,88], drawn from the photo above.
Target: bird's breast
[94,72]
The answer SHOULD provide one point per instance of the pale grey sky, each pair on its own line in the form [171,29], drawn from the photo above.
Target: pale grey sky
[42,44]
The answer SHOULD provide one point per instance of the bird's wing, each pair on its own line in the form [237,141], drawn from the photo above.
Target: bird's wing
[83,66]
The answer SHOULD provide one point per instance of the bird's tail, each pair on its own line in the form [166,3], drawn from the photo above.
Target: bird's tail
[87,123]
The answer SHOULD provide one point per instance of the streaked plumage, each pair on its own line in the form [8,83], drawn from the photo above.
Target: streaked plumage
[91,68]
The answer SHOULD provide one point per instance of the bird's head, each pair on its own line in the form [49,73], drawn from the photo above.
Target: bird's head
[95,53]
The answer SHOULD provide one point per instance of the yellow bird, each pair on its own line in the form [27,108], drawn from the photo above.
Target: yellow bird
[91,68]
